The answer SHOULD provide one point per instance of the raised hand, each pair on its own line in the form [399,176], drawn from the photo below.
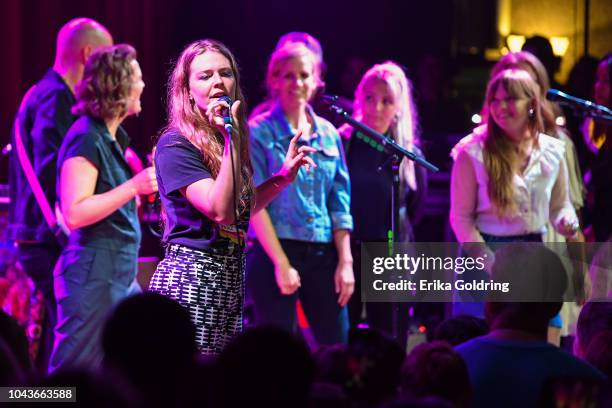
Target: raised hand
[295,158]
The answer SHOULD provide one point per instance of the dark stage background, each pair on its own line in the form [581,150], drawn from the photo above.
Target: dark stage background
[373,30]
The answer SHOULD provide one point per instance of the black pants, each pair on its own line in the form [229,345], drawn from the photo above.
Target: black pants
[389,318]
[316,264]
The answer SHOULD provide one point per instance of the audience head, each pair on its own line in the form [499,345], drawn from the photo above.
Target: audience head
[328,395]
[77,40]
[537,281]
[150,339]
[293,75]
[571,392]
[459,329]
[264,366]
[595,317]
[112,84]
[435,369]
[413,402]
[93,389]
[332,364]
[375,363]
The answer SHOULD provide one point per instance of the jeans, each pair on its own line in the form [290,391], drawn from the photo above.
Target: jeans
[89,282]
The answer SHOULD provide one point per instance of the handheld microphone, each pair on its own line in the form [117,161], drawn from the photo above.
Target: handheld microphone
[227,114]
[576,103]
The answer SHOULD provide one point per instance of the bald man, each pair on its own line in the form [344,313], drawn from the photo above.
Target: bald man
[43,119]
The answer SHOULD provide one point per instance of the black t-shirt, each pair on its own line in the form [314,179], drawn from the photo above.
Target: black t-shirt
[178,164]
[371,190]
[43,120]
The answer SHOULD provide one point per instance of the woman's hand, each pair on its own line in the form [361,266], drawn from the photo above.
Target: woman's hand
[214,114]
[287,278]
[344,282]
[145,182]
[568,226]
[295,158]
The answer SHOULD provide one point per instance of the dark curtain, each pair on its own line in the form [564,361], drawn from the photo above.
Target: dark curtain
[159,29]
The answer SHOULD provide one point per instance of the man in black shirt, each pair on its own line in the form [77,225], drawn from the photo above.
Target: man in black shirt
[43,119]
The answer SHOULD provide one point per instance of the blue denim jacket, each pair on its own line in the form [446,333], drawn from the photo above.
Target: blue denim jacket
[318,201]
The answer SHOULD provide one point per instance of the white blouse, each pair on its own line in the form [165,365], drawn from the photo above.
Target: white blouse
[541,191]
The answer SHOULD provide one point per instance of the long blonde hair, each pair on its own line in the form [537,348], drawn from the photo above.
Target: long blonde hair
[500,154]
[404,128]
[185,117]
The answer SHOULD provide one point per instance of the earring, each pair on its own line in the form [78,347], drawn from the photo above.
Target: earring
[531,113]
[191,100]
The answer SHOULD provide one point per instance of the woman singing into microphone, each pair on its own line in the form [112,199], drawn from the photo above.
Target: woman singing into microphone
[207,192]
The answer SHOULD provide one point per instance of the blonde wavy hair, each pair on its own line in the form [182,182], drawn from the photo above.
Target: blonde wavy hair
[404,128]
[185,117]
[500,153]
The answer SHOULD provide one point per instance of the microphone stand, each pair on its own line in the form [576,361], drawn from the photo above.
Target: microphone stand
[596,115]
[584,111]
[397,154]
[581,107]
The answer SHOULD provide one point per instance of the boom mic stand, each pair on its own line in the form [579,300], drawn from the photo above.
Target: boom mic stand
[397,154]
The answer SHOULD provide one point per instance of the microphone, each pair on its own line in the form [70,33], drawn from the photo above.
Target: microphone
[227,115]
[576,103]
[330,99]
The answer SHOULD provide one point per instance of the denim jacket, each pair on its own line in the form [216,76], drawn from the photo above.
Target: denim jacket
[318,201]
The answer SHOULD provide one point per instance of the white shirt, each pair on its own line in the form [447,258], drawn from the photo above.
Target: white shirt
[540,192]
